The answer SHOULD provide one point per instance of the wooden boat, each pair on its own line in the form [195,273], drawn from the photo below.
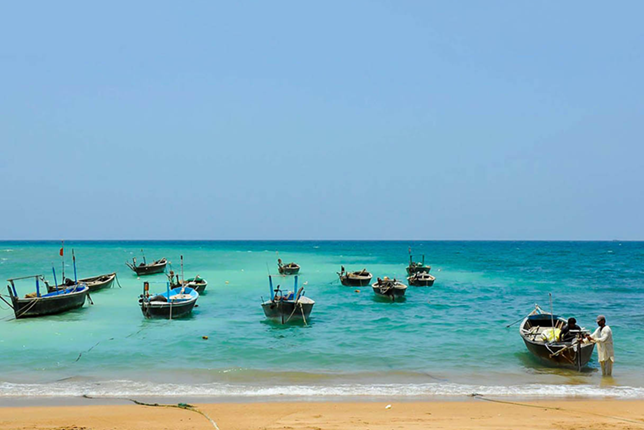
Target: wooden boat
[287,306]
[421,279]
[37,304]
[94,283]
[390,288]
[355,279]
[148,269]
[543,342]
[197,283]
[287,269]
[172,304]
[417,267]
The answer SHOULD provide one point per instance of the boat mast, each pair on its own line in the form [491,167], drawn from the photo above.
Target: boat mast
[552,317]
[74,260]
[144,261]
[62,255]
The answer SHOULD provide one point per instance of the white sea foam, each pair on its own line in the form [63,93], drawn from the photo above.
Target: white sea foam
[120,388]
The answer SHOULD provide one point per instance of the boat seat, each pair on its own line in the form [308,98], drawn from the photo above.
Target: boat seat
[159,298]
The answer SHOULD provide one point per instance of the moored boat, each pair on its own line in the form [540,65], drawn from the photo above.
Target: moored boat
[417,267]
[287,306]
[94,283]
[197,283]
[390,288]
[37,304]
[171,304]
[421,279]
[147,269]
[288,268]
[355,279]
[540,332]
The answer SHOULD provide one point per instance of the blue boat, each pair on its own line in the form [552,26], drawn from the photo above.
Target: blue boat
[36,304]
[171,304]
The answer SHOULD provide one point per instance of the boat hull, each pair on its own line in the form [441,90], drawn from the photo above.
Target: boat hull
[394,293]
[287,311]
[288,270]
[42,306]
[167,310]
[572,358]
[421,282]
[354,282]
[149,270]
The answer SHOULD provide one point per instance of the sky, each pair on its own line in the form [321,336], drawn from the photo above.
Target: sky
[289,120]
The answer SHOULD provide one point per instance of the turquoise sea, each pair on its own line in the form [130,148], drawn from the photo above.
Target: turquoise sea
[446,341]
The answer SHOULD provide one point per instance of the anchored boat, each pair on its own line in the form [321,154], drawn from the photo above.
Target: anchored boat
[94,283]
[417,267]
[197,283]
[540,333]
[390,288]
[172,304]
[287,306]
[355,279]
[421,279]
[147,269]
[287,269]
[37,304]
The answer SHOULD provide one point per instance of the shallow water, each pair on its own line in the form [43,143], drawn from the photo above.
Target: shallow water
[447,340]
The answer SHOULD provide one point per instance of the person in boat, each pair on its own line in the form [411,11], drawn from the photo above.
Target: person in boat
[603,337]
[341,270]
[566,335]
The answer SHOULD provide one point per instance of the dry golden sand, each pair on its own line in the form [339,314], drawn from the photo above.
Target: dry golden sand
[474,414]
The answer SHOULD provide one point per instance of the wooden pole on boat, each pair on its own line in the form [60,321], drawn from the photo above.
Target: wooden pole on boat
[74,260]
[295,287]
[55,281]
[182,278]
[144,260]
[37,287]
[270,284]
[552,318]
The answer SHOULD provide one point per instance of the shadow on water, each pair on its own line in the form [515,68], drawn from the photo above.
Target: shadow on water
[383,299]
[536,366]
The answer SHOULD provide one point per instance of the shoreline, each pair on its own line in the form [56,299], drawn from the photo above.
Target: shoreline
[474,413]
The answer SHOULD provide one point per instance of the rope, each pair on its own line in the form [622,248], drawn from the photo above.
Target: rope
[117,280]
[480,396]
[185,406]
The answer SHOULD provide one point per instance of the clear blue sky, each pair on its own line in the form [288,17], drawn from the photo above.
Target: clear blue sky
[326,120]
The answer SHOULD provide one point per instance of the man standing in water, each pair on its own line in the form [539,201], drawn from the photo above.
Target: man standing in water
[603,337]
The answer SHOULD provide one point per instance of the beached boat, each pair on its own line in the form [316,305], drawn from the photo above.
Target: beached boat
[421,279]
[147,269]
[355,279]
[37,304]
[417,267]
[287,269]
[287,306]
[171,304]
[94,283]
[390,288]
[540,333]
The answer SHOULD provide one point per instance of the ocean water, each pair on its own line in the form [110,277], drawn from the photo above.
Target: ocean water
[446,341]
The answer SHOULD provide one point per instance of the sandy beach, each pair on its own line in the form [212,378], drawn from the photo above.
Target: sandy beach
[470,414]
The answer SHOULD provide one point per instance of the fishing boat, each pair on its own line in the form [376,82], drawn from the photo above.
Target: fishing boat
[421,279]
[94,283]
[287,306]
[147,269]
[197,283]
[540,333]
[171,304]
[417,267]
[390,288]
[288,268]
[355,279]
[37,304]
